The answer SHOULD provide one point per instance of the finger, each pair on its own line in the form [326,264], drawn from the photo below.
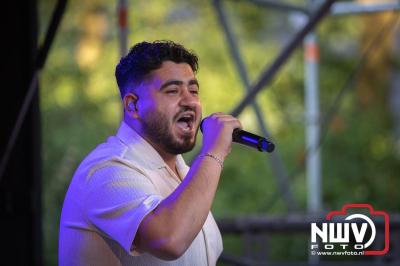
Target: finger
[235,123]
[225,118]
[229,118]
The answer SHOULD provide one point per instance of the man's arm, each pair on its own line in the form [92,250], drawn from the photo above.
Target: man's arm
[169,229]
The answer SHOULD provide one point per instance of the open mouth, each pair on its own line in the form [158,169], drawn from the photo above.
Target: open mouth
[185,122]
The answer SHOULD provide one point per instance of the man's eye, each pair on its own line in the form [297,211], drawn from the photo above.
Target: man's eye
[195,92]
[172,91]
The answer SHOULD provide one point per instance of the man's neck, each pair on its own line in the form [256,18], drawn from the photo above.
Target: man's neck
[169,159]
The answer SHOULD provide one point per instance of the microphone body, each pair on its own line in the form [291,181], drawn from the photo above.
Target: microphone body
[252,140]
[249,139]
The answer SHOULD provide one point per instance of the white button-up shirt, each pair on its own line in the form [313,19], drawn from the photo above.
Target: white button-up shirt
[113,189]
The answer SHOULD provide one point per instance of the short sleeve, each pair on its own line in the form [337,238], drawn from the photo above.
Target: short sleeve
[117,200]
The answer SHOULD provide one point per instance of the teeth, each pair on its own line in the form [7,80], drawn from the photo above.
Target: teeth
[187,116]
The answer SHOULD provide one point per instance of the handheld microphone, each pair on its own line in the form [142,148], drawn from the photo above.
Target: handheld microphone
[249,139]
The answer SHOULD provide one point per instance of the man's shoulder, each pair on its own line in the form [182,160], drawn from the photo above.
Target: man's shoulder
[112,148]
[112,152]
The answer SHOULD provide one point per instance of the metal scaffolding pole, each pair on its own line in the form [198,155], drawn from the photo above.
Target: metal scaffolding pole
[122,13]
[281,5]
[312,118]
[278,168]
[349,8]
[270,72]
[316,10]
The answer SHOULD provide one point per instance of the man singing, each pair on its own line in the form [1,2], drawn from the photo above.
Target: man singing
[133,200]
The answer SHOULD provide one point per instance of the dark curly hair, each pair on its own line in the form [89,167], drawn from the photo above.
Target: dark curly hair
[145,57]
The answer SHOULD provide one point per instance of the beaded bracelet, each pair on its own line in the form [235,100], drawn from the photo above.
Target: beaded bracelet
[218,160]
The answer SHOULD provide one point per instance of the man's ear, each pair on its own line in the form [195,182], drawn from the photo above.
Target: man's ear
[130,104]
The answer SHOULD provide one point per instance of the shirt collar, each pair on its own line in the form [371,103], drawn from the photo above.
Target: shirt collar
[142,148]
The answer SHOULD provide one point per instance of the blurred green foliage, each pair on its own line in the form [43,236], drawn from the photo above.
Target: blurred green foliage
[81,106]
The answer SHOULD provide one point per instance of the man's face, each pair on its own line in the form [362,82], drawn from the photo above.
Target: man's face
[169,108]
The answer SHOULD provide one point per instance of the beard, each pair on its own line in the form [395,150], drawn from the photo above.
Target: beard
[156,126]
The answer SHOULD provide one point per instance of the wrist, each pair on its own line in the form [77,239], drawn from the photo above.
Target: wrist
[220,153]
[216,158]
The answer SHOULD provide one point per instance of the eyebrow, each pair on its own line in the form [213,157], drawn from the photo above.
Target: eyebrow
[178,83]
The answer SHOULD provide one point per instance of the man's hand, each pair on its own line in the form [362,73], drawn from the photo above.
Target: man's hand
[217,134]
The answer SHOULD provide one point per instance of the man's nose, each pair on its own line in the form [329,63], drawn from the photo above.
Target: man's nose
[189,99]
